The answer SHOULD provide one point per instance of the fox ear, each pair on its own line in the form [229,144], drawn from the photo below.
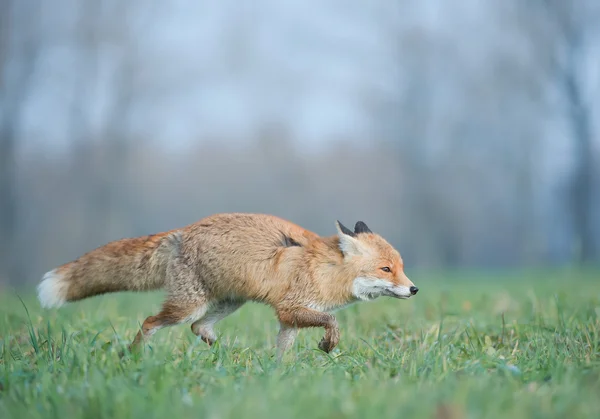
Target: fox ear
[349,244]
[361,227]
[343,230]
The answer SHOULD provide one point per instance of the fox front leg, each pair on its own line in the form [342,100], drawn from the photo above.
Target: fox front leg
[306,317]
[331,338]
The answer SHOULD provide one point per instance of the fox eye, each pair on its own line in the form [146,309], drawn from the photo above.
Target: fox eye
[386,269]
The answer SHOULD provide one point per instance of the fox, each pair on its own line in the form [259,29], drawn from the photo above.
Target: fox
[210,268]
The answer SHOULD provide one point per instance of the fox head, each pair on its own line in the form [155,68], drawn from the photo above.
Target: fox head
[378,267]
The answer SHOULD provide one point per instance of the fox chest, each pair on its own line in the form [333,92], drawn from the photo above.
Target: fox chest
[330,308]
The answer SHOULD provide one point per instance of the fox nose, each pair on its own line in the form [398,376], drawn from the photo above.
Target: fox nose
[413,290]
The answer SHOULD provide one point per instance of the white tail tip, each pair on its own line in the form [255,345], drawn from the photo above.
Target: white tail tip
[52,291]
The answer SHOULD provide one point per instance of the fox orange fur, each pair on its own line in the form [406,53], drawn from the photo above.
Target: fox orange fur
[212,267]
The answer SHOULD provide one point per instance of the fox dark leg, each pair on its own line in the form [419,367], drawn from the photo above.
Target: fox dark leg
[305,317]
[187,299]
[172,313]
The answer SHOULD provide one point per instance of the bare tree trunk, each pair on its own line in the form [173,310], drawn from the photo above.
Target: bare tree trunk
[572,21]
[101,169]
[15,91]
[83,154]
[7,153]
[112,185]
[582,182]
[8,210]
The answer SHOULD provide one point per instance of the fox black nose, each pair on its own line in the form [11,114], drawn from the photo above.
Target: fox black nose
[413,290]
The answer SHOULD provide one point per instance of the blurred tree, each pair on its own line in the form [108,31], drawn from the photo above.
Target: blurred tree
[19,45]
[86,45]
[557,36]
[103,32]
[113,202]
[572,22]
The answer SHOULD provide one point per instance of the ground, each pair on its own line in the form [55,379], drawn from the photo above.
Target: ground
[520,345]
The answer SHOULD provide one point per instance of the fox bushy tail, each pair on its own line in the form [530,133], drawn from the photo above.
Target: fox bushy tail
[135,264]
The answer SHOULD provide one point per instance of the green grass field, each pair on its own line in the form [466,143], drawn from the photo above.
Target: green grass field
[468,346]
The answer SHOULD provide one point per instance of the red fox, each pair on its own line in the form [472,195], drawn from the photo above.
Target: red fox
[210,268]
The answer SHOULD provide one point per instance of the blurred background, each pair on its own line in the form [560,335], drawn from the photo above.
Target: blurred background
[467,133]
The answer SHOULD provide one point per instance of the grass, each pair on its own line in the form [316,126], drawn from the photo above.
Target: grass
[479,346]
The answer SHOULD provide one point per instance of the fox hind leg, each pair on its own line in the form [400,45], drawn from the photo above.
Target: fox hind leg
[187,299]
[204,327]
[172,313]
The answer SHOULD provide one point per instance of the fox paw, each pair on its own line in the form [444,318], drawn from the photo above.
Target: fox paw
[330,341]
[325,345]
[208,340]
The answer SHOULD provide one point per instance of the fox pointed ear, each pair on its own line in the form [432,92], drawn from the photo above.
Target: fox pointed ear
[361,227]
[349,244]
[342,229]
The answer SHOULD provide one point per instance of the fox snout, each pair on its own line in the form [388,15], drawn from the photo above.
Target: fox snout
[404,288]
[366,288]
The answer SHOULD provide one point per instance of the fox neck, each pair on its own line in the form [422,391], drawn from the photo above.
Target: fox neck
[333,276]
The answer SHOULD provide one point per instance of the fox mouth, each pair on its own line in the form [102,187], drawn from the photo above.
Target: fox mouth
[401,293]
